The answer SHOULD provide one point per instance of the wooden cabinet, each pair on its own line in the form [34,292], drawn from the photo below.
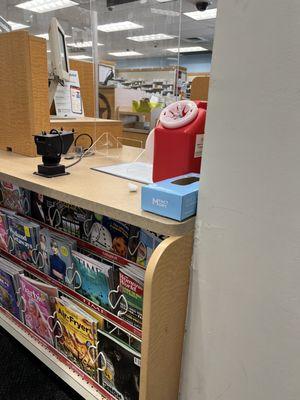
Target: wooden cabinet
[24,108]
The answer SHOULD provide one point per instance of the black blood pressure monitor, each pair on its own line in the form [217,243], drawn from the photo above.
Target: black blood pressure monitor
[51,146]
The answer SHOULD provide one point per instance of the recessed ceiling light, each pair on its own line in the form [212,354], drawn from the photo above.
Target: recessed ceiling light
[81,45]
[202,15]
[119,26]
[151,38]
[169,13]
[187,49]
[125,53]
[48,51]
[42,6]
[80,57]
[163,1]
[16,25]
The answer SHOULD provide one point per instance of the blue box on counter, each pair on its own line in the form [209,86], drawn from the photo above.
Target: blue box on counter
[174,198]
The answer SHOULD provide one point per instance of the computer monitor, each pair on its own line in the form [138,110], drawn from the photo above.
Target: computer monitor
[106,73]
[59,51]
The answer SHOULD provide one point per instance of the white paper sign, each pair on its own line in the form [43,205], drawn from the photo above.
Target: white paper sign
[199,146]
[68,101]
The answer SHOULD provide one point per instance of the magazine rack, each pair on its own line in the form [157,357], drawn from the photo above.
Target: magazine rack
[166,279]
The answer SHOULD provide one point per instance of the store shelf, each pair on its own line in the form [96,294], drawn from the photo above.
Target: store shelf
[135,332]
[95,191]
[54,360]
[166,276]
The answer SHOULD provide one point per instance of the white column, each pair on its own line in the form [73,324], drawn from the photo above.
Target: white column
[243,328]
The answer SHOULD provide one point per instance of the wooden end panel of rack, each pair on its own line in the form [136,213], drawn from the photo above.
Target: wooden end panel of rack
[165,305]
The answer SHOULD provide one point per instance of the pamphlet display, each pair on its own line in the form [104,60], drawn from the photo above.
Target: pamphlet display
[68,100]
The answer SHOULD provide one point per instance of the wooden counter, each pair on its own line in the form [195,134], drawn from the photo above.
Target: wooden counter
[166,277]
[92,190]
[93,126]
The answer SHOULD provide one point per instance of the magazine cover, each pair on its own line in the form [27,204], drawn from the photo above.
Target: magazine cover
[147,244]
[132,287]
[133,243]
[4,213]
[24,237]
[44,209]
[120,233]
[9,286]
[79,332]
[122,374]
[15,198]
[92,279]
[74,220]
[122,336]
[56,251]
[50,290]
[3,231]
[36,309]
[97,234]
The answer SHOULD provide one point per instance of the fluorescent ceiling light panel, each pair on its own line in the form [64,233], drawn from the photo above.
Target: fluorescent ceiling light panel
[125,53]
[80,57]
[82,45]
[169,13]
[151,38]
[46,36]
[163,1]
[187,49]
[42,6]
[202,15]
[16,25]
[119,26]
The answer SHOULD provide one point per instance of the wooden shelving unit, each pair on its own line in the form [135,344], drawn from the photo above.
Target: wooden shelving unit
[166,278]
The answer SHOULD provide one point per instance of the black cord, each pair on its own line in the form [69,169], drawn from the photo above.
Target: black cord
[84,134]
[74,163]
[83,154]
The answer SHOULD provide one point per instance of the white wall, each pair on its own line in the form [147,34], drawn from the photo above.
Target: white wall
[243,338]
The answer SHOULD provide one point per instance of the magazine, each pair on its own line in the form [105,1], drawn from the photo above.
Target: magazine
[50,290]
[44,209]
[4,228]
[122,336]
[94,279]
[24,238]
[133,243]
[15,198]
[9,286]
[121,375]
[56,252]
[147,244]
[120,233]
[132,288]
[79,333]
[36,309]
[75,220]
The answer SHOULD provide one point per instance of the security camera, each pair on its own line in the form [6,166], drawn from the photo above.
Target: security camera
[202,5]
